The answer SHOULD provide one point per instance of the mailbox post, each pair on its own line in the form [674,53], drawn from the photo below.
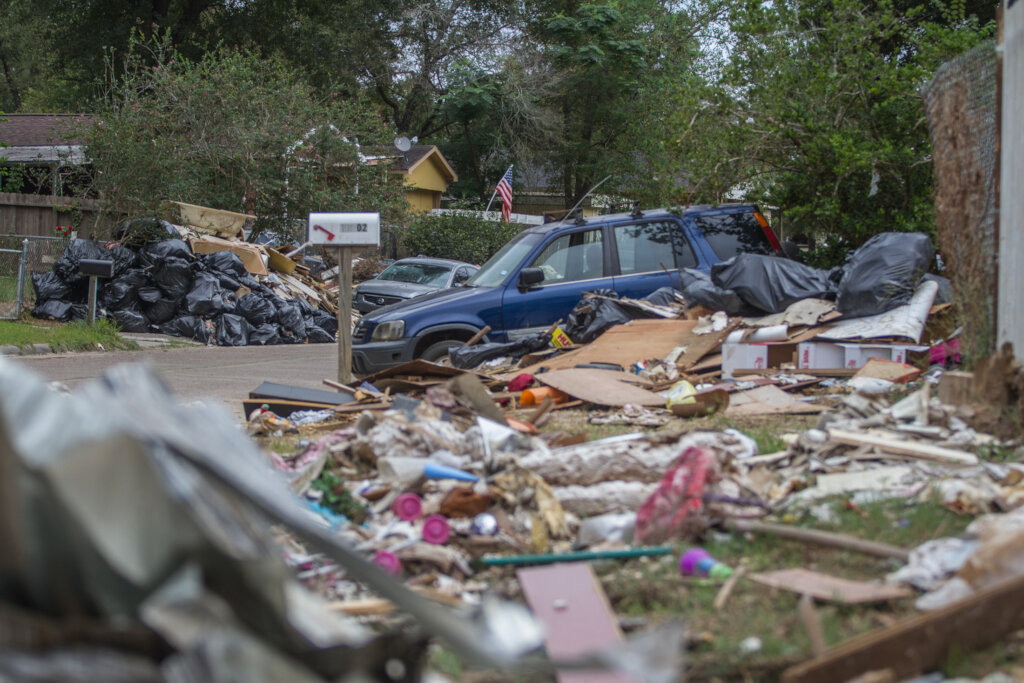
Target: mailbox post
[95,269]
[346,233]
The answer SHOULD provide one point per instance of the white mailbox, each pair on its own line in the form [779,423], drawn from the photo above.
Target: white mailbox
[345,229]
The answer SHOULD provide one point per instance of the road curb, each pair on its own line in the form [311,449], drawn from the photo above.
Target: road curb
[30,350]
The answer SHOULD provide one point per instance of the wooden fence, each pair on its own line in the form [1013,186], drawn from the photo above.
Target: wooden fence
[39,215]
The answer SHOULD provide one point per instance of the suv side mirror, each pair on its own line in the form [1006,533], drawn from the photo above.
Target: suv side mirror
[528,277]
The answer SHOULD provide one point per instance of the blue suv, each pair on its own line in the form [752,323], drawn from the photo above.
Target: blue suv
[540,275]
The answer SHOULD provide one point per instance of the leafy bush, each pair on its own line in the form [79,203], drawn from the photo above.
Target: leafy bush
[457,236]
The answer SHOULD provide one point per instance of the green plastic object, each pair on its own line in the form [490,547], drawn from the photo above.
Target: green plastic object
[577,557]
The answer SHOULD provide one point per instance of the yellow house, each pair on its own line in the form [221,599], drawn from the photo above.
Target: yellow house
[426,174]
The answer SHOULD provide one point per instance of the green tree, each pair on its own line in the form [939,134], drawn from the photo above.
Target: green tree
[237,132]
[815,110]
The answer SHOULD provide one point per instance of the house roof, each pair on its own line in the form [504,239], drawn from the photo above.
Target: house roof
[34,130]
[41,137]
[408,161]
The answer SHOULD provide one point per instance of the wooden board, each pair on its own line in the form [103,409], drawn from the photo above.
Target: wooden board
[601,387]
[578,620]
[700,345]
[415,368]
[830,588]
[288,392]
[768,400]
[881,368]
[281,407]
[923,642]
[913,449]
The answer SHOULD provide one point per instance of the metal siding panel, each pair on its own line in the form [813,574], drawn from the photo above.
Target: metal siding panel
[1011,214]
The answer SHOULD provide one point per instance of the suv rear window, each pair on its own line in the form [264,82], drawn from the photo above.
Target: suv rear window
[733,233]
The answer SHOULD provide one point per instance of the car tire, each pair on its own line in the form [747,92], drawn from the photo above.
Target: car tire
[439,350]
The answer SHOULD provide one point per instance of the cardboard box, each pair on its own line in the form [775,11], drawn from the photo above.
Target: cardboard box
[755,357]
[832,356]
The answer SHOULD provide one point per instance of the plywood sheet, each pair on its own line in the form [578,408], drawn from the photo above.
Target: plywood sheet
[830,588]
[626,344]
[287,392]
[768,400]
[578,620]
[881,368]
[600,387]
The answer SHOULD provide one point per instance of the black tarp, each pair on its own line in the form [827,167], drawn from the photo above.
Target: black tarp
[883,273]
[769,284]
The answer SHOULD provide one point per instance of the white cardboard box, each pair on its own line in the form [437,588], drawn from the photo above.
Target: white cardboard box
[828,356]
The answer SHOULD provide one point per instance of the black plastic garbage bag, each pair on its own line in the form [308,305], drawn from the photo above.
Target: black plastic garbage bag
[124,259]
[118,294]
[884,273]
[267,333]
[80,312]
[945,293]
[466,357]
[149,294]
[129,320]
[49,286]
[256,309]
[152,254]
[307,309]
[289,317]
[173,275]
[317,335]
[207,298]
[771,283]
[161,310]
[190,326]
[698,289]
[590,317]
[226,262]
[663,296]
[232,330]
[325,321]
[227,282]
[67,265]
[53,309]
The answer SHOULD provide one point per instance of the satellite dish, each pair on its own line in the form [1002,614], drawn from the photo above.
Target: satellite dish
[403,144]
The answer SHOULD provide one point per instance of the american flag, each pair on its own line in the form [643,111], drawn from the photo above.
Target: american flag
[504,188]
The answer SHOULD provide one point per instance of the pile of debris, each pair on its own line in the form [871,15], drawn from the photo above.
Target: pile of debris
[184,284]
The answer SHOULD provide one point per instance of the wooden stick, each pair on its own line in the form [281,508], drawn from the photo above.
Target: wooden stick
[727,588]
[825,538]
[478,336]
[541,411]
[911,448]
[922,642]
[554,326]
[812,624]
[339,386]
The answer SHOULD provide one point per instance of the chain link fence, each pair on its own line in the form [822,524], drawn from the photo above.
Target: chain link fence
[20,256]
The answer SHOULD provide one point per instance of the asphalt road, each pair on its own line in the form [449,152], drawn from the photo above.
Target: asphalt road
[225,374]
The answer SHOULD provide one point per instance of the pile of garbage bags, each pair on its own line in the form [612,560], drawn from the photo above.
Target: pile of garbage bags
[164,287]
[877,277]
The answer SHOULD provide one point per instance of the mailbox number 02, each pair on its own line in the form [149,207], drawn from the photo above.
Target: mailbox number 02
[357,227]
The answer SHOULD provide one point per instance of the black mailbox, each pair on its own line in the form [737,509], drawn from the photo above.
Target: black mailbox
[96,268]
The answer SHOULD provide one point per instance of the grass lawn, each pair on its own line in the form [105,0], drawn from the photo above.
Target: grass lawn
[64,336]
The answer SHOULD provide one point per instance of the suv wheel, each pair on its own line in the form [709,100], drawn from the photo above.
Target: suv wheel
[439,350]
